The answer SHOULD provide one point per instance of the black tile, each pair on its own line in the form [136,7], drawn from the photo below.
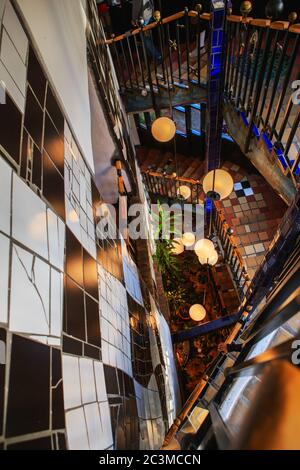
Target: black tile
[90,275]
[92,322]
[74,258]
[74,310]
[2,380]
[92,352]
[111,380]
[72,346]
[245,184]
[240,193]
[34,118]
[55,112]
[44,443]
[53,144]
[62,445]
[56,366]
[10,129]
[58,412]
[53,186]
[29,387]
[36,77]
[37,168]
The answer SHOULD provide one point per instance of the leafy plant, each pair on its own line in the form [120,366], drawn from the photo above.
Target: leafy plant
[167,263]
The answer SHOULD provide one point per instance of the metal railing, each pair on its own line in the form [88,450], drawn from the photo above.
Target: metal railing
[162,54]
[262,66]
[167,186]
[231,253]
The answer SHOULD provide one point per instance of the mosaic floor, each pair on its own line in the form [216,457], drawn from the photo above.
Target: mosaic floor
[254,211]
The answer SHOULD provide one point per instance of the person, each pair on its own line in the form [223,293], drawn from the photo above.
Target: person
[143,10]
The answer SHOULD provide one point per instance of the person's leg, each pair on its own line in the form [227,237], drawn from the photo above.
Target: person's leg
[151,50]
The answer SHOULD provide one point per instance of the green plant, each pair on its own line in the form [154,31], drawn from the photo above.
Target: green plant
[167,263]
[177,298]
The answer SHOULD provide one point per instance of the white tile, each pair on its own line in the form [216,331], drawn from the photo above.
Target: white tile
[76,430]
[100,381]
[29,222]
[94,427]
[29,298]
[107,437]
[13,62]
[12,88]
[15,31]
[56,237]
[71,381]
[56,303]
[105,353]
[88,386]
[5,196]
[4,269]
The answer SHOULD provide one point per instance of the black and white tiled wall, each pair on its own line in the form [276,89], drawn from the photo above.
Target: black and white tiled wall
[85,360]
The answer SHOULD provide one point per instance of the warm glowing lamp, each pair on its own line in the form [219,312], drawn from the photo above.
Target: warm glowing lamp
[218,184]
[211,258]
[197,312]
[184,192]
[188,239]
[204,247]
[177,246]
[163,129]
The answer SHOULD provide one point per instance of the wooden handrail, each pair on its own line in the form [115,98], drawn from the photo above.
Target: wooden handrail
[168,19]
[259,22]
[171,177]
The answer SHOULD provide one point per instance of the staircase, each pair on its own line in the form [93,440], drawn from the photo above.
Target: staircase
[262,63]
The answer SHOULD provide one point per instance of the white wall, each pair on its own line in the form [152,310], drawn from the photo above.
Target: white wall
[58,31]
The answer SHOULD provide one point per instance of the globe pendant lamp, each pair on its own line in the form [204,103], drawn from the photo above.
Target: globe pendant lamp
[197,312]
[188,239]
[204,248]
[218,184]
[211,259]
[177,247]
[184,192]
[163,129]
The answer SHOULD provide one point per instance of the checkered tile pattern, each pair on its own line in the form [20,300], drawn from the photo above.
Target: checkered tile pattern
[254,211]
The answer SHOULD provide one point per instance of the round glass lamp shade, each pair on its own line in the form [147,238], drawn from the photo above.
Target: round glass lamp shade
[218,184]
[204,247]
[197,312]
[184,192]
[211,258]
[188,239]
[163,129]
[177,247]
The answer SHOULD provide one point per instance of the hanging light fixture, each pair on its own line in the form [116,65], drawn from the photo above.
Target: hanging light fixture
[188,239]
[218,184]
[204,247]
[177,246]
[184,192]
[197,312]
[163,129]
[211,258]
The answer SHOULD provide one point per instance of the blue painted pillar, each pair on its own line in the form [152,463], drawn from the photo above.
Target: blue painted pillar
[216,74]
[205,328]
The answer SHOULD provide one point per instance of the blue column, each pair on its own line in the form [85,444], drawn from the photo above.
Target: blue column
[216,73]
[206,328]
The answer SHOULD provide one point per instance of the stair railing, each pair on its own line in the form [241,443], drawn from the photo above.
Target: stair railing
[231,252]
[163,53]
[167,186]
[262,66]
